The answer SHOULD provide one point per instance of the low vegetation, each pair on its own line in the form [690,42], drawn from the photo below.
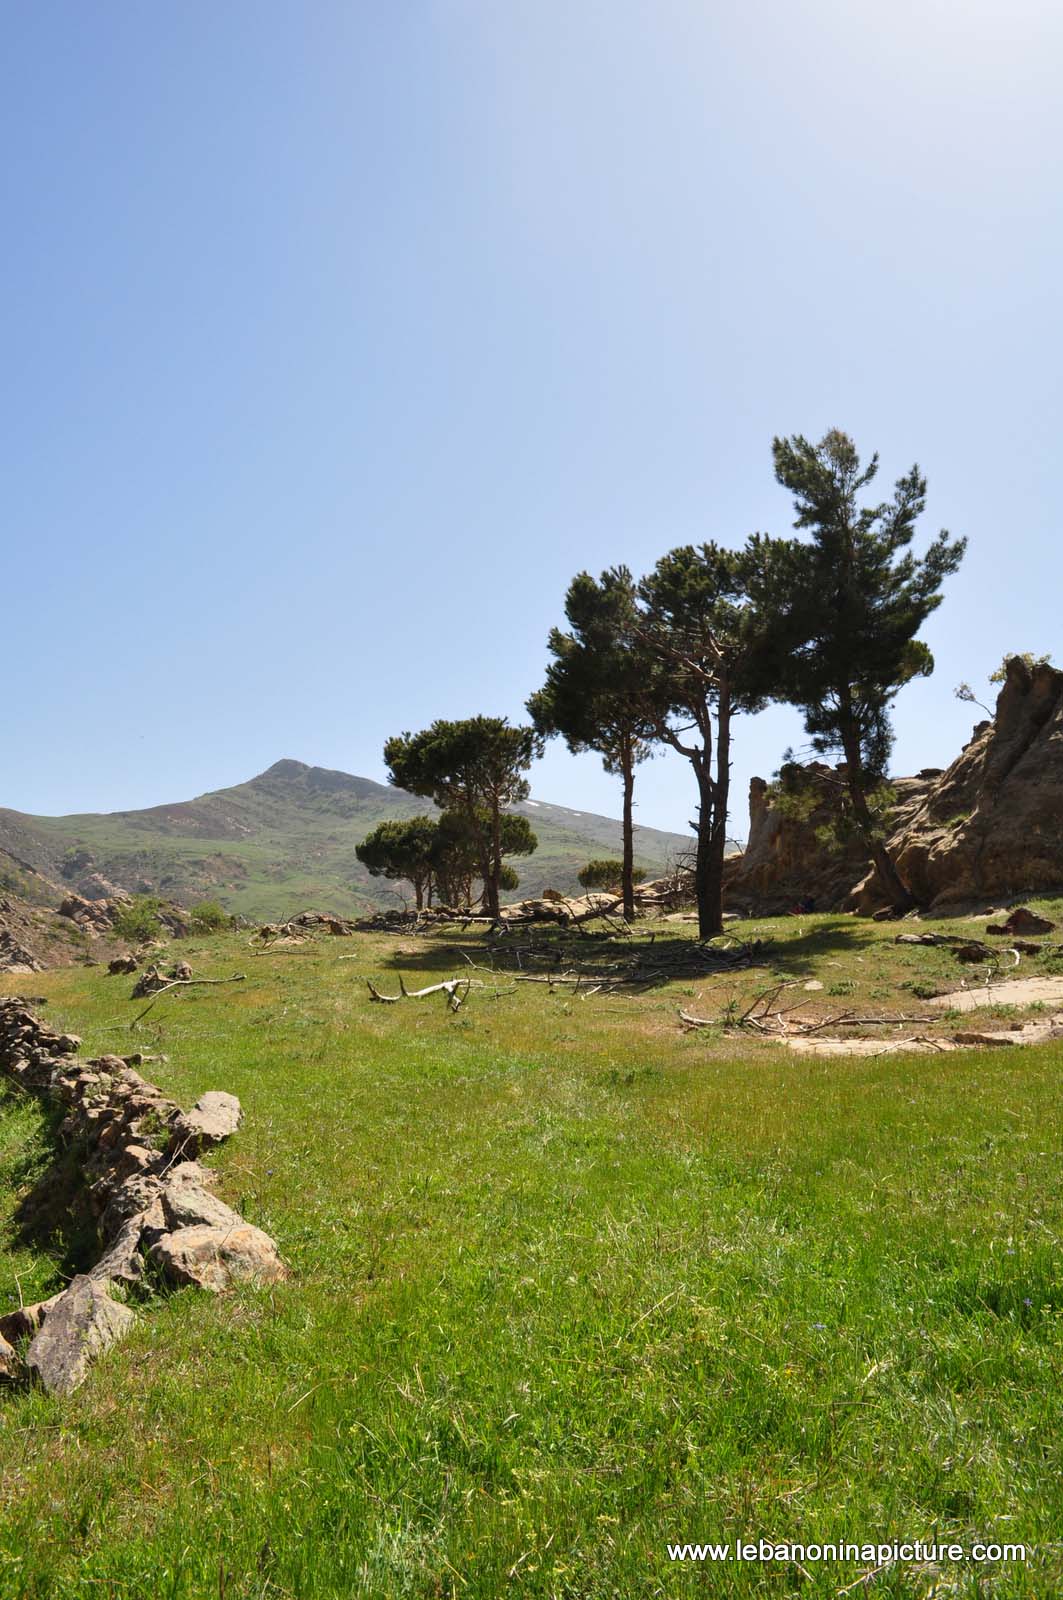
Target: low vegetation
[138,920]
[570,1282]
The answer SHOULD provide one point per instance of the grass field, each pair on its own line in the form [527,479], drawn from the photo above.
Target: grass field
[568,1284]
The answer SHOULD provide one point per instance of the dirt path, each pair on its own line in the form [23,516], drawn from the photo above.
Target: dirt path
[1013,992]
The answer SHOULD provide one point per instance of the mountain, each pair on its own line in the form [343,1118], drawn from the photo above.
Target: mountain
[283,841]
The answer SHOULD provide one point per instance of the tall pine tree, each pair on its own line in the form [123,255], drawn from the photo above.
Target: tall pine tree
[845,607]
[594,694]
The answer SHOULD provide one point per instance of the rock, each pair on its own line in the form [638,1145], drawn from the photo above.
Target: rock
[1023,920]
[26,1320]
[813,984]
[82,1323]
[127,963]
[983,1038]
[984,829]
[11,1367]
[794,852]
[186,1203]
[988,827]
[15,957]
[122,1259]
[214,1258]
[974,952]
[214,1117]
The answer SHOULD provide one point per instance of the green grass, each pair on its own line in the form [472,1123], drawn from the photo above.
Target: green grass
[568,1284]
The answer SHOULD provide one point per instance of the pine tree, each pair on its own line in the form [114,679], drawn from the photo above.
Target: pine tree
[706,639]
[844,608]
[594,691]
[474,767]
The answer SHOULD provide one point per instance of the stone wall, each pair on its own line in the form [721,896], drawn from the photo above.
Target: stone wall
[150,1196]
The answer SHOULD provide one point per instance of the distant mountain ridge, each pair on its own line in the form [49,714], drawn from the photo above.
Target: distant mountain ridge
[285,840]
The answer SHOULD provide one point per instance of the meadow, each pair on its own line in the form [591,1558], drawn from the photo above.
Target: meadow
[569,1283]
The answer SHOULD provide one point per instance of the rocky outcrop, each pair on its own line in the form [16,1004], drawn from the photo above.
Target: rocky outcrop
[991,826]
[799,850]
[149,1194]
[99,916]
[786,860]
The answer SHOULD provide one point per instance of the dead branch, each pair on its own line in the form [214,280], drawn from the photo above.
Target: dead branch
[184,983]
[451,987]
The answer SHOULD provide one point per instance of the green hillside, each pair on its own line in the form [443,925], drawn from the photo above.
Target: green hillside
[285,840]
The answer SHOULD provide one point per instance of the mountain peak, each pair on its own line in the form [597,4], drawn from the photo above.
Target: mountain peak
[285,769]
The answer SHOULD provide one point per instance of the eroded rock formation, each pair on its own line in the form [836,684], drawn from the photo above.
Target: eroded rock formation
[991,826]
[149,1193]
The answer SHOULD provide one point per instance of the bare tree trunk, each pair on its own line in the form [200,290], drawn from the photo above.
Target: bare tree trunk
[628,870]
[718,836]
[897,892]
[707,881]
[494,862]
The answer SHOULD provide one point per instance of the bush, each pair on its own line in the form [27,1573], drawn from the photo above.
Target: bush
[601,875]
[209,917]
[138,919]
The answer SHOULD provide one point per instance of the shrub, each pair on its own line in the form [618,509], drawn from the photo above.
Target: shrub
[209,917]
[604,874]
[138,919]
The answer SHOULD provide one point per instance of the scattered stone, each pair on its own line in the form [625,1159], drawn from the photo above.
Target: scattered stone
[83,1322]
[812,985]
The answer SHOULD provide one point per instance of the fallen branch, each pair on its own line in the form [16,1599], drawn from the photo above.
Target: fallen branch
[450,987]
[185,983]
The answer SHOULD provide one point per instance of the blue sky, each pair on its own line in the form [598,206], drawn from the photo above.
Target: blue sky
[338,337]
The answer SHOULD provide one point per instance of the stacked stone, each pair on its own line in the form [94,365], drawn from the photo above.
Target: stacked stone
[148,1191]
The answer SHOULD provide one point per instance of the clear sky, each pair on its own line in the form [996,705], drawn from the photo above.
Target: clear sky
[338,337]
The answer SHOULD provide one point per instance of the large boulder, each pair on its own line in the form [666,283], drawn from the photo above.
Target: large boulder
[215,1257]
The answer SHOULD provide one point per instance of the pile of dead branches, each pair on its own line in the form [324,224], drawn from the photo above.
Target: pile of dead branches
[766,1016]
[301,928]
